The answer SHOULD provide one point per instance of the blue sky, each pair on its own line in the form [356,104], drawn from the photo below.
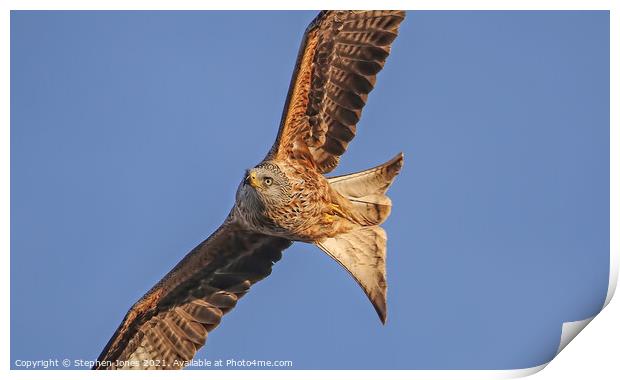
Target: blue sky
[131,130]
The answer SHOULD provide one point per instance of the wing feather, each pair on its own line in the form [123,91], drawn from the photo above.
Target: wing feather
[340,56]
[166,327]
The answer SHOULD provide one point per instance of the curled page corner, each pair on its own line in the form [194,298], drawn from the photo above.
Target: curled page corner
[524,372]
[570,331]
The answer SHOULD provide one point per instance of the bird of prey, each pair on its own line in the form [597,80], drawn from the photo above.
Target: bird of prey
[284,198]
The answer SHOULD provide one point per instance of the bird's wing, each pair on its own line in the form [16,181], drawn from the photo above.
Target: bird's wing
[338,61]
[166,327]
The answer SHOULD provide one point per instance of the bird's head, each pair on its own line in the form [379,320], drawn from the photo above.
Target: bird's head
[265,184]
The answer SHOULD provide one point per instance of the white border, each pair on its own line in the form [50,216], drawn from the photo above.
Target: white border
[569,330]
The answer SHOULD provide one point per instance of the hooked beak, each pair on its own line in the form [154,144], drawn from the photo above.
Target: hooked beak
[250,179]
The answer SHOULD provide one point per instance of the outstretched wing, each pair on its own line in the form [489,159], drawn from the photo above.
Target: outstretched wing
[166,327]
[340,56]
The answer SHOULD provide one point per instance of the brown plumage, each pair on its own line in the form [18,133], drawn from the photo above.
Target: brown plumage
[337,65]
[285,198]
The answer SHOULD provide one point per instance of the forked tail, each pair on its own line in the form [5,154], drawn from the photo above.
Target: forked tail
[362,251]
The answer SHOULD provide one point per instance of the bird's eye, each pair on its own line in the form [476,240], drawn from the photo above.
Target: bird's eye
[268,181]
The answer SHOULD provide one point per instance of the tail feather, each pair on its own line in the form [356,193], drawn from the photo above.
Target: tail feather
[362,250]
[366,190]
[362,253]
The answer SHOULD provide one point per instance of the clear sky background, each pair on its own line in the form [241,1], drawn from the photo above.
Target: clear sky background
[131,130]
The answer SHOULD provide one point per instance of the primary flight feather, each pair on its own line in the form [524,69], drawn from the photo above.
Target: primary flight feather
[283,199]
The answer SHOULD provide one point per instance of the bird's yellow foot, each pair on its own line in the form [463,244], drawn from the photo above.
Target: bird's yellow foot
[336,210]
